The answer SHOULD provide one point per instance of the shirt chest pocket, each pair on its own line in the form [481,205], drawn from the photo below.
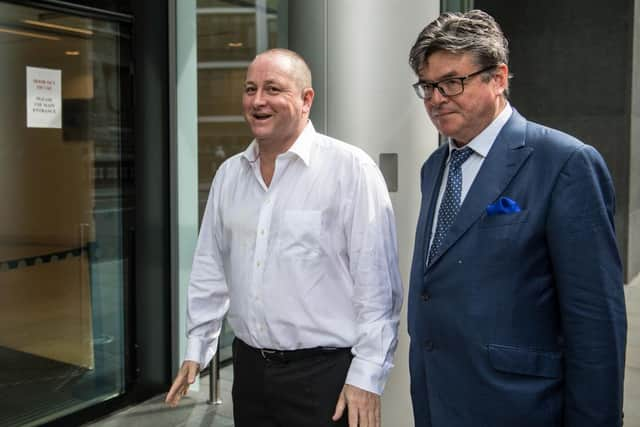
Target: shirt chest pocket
[300,234]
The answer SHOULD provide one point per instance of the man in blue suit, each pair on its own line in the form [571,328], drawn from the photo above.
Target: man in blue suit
[516,304]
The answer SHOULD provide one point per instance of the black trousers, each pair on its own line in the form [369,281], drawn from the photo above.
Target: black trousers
[288,389]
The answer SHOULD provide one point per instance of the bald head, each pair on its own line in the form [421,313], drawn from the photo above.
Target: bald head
[277,99]
[297,66]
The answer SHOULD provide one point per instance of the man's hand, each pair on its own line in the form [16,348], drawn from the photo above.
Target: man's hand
[185,377]
[363,407]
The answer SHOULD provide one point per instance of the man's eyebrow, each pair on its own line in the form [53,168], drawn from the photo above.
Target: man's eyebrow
[266,82]
[445,76]
[449,75]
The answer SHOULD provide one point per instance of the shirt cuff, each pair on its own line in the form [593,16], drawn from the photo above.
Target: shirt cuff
[367,376]
[198,350]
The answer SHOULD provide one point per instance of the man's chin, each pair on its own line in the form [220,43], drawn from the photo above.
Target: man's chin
[447,127]
[260,131]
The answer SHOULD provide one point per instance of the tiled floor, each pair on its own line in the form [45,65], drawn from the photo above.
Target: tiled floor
[194,411]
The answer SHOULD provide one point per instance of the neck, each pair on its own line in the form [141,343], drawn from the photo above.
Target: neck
[501,103]
[271,148]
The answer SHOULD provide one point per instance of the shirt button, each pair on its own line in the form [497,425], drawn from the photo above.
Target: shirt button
[258,263]
[426,296]
[262,232]
[428,345]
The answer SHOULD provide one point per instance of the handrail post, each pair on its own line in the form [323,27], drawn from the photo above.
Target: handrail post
[214,379]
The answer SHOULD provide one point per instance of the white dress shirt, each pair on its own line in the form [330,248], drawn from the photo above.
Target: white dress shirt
[480,145]
[308,261]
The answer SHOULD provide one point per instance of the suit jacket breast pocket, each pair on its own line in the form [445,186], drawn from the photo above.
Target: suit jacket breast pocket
[501,220]
[497,236]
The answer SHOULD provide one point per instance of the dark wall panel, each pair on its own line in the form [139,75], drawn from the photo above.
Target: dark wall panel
[634,192]
[151,111]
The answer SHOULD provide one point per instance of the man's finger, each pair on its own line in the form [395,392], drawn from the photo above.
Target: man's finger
[353,416]
[372,417]
[175,392]
[192,372]
[339,407]
[186,375]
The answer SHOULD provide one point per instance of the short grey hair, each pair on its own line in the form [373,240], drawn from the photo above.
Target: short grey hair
[474,32]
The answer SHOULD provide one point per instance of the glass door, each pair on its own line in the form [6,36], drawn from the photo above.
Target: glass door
[66,184]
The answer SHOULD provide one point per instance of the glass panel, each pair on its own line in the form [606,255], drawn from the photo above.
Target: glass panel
[226,37]
[217,142]
[230,33]
[223,89]
[66,179]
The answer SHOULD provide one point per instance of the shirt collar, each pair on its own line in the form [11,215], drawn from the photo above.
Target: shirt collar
[483,142]
[301,147]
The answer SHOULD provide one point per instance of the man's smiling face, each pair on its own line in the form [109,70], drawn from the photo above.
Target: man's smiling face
[274,103]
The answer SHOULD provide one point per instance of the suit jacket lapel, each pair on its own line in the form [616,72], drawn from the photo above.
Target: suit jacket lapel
[503,161]
[431,182]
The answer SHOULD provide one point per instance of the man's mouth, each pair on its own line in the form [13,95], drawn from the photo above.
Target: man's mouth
[261,116]
[437,114]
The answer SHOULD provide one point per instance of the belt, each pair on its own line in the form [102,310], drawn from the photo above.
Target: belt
[286,356]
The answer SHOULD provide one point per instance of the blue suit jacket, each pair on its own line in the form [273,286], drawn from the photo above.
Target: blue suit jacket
[520,320]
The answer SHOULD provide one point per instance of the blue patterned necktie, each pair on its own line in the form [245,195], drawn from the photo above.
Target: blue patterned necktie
[450,204]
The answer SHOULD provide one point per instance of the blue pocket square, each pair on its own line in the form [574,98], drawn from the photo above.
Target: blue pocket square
[503,205]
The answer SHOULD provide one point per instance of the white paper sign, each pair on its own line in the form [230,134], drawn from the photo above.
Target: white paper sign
[44,98]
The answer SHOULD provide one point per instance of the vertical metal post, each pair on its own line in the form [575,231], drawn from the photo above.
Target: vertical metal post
[214,379]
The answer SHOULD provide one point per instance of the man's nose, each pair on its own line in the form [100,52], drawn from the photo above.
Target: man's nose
[436,97]
[258,98]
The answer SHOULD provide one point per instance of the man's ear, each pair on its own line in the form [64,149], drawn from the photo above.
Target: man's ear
[501,78]
[307,99]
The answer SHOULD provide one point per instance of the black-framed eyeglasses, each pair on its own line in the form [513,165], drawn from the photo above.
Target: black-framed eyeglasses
[451,86]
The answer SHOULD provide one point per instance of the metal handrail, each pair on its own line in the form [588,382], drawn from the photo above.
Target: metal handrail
[214,379]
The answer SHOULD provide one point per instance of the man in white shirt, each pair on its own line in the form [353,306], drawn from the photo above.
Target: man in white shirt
[298,244]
